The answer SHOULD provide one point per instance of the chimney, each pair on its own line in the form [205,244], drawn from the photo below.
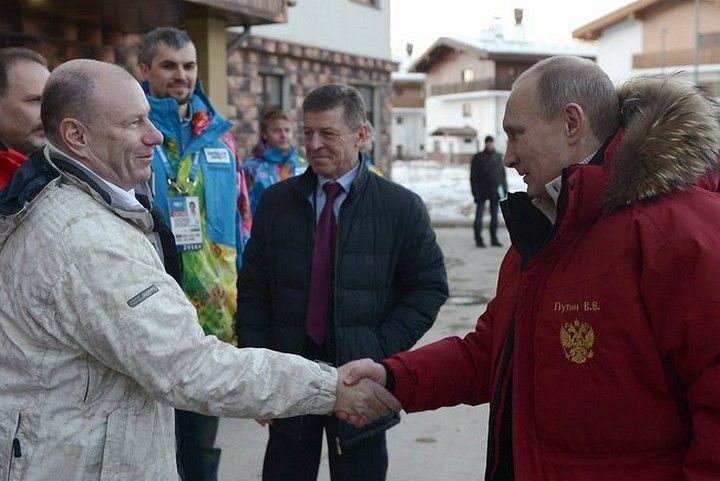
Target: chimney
[518,16]
[519,29]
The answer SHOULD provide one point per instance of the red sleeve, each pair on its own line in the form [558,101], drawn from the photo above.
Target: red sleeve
[458,370]
[681,262]
[448,372]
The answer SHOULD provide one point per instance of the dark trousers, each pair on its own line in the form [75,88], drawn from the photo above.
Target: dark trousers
[197,457]
[477,225]
[289,458]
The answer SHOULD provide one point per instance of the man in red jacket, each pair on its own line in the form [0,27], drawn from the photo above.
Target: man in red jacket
[599,355]
[23,74]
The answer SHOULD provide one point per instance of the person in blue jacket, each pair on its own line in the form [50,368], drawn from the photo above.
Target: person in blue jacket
[196,166]
[274,158]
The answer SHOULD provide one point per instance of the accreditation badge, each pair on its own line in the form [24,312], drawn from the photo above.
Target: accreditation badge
[185,222]
[217,156]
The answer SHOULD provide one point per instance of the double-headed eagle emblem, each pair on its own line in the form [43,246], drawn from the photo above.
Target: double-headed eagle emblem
[577,339]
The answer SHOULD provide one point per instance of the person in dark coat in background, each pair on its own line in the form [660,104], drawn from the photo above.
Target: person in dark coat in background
[487,177]
[387,282]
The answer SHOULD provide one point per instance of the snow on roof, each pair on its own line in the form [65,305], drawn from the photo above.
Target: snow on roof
[500,45]
[403,72]
[493,43]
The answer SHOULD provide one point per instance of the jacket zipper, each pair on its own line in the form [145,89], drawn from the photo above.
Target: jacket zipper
[338,448]
[494,424]
[16,451]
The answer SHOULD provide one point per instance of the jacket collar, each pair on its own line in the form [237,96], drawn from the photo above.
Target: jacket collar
[164,116]
[308,180]
[668,141]
[45,168]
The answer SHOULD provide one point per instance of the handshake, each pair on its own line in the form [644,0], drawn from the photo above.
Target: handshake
[361,396]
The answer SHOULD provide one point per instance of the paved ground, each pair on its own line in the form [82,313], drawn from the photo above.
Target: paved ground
[448,444]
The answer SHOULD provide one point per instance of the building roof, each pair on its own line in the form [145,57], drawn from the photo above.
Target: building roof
[140,16]
[593,30]
[465,131]
[408,76]
[403,74]
[498,48]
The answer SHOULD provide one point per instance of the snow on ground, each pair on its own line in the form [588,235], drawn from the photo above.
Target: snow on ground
[444,188]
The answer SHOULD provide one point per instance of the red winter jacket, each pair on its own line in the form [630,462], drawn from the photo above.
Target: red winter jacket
[10,161]
[616,355]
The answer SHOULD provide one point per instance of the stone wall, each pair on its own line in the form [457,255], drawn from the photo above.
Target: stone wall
[59,40]
[305,68]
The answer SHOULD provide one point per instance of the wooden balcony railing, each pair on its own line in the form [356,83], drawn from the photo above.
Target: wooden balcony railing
[709,54]
[461,87]
[247,11]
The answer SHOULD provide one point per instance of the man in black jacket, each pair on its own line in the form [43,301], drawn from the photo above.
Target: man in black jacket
[388,282]
[487,177]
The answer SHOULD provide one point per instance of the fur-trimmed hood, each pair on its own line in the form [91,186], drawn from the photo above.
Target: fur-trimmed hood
[669,139]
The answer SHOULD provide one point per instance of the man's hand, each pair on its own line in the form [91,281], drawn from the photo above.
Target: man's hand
[361,397]
[353,371]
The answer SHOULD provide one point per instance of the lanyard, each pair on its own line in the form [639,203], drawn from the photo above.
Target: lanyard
[171,177]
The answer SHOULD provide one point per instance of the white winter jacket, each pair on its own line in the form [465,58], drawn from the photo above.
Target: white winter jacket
[97,344]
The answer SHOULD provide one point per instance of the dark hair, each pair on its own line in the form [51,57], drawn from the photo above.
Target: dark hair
[329,96]
[489,138]
[10,56]
[170,36]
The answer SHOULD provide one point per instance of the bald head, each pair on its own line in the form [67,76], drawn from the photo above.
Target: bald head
[97,113]
[76,89]
[562,80]
[559,112]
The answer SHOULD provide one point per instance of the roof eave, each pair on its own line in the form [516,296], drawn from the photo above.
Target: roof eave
[593,30]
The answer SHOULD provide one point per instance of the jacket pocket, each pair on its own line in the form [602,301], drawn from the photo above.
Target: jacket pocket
[139,444]
[124,448]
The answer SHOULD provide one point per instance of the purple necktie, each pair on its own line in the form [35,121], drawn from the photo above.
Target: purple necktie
[321,277]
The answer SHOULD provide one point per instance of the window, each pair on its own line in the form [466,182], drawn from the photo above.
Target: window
[372,3]
[468,75]
[368,95]
[399,120]
[271,97]
[467,110]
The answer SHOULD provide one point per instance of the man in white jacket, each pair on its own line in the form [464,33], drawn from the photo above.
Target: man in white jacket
[97,342]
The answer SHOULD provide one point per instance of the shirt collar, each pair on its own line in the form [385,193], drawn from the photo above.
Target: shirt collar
[123,199]
[549,206]
[345,180]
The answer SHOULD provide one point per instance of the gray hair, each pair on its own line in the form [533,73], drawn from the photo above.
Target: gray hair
[170,36]
[329,96]
[565,79]
[10,56]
